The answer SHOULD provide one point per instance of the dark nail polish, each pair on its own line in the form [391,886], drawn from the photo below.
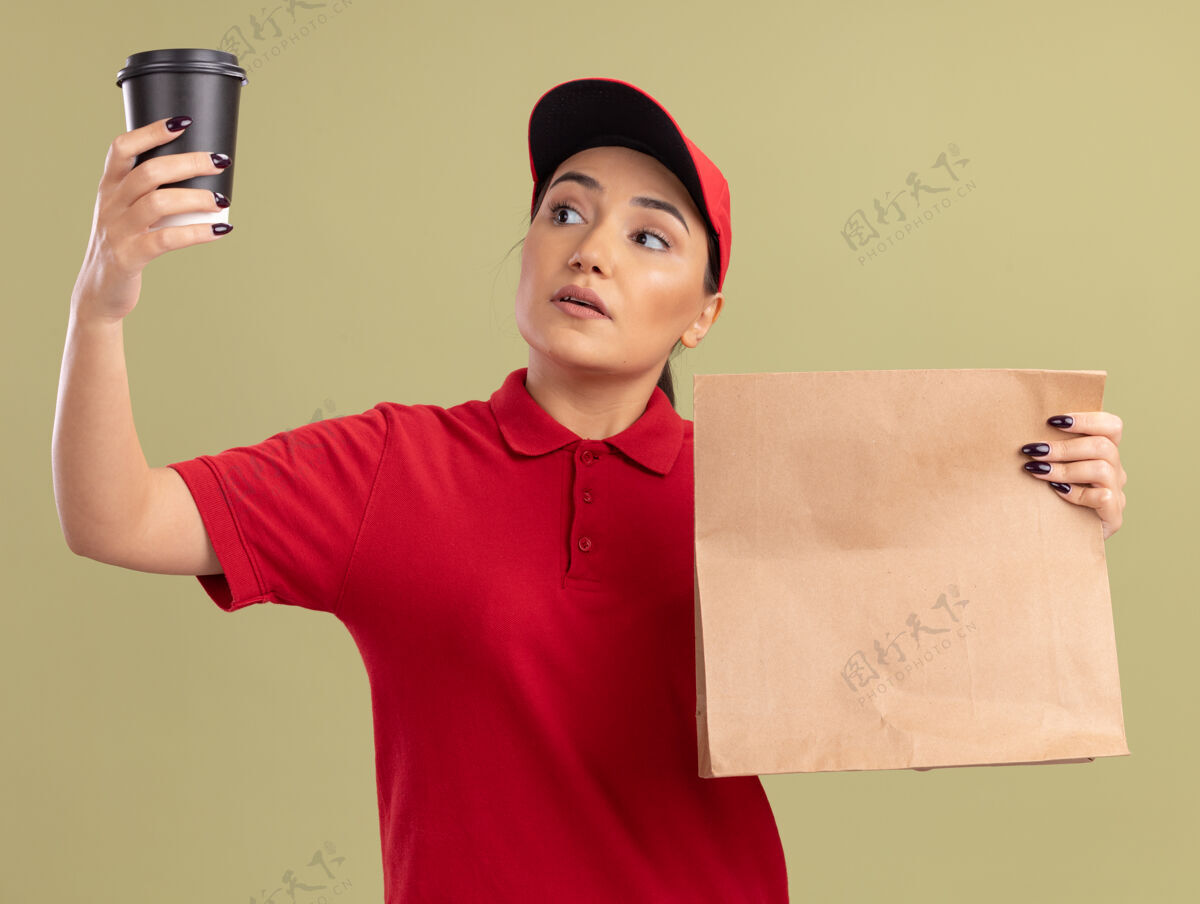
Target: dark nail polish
[221,160]
[221,228]
[222,201]
[1061,420]
[1061,487]
[178,123]
[1035,449]
[1037,467]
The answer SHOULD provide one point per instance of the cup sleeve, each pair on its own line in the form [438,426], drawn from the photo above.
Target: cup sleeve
[284,515]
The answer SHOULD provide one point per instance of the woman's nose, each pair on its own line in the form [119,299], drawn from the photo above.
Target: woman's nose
[590,254]
[584,262]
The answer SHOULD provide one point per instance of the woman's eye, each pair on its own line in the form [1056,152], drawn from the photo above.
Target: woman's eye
[555,208]
[654,235]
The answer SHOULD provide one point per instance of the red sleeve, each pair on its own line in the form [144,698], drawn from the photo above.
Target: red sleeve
[284,515]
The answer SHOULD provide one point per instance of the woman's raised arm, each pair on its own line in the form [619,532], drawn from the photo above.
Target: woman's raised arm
[104,490]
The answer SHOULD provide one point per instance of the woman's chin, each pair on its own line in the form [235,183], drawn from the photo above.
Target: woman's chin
[574,364]
[574,359]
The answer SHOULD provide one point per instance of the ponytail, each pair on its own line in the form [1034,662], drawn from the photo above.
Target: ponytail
[665,382]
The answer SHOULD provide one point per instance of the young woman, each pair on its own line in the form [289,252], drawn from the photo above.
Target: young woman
[516,572]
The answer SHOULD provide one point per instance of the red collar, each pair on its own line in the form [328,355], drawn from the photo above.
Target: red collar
[653,440]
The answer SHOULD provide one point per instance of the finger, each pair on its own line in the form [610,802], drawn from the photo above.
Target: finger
[1097,472]
[154,205]
[146,247]
[126,147]
[1076,449]
[1101,423]
[1107,503]
[165,170]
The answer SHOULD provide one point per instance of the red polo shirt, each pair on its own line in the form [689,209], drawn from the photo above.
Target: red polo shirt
[522,599]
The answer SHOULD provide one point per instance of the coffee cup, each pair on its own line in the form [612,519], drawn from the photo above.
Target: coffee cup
[203,84]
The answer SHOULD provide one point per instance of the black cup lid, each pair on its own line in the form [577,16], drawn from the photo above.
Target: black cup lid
[182,59]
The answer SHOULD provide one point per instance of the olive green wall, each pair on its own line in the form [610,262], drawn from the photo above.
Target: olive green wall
[156,748]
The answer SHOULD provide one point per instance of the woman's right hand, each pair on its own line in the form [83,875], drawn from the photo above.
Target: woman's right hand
[128,202]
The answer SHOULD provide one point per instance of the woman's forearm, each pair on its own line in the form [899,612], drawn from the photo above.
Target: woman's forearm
[100,473]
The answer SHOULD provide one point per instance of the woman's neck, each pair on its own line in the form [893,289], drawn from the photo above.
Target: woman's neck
[592,406]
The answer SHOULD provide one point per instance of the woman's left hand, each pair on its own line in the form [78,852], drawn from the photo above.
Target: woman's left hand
[1085,470]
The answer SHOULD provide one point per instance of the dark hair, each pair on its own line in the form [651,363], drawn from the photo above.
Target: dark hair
[665,383]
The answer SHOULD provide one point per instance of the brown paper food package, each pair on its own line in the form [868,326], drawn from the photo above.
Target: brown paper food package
[879,583]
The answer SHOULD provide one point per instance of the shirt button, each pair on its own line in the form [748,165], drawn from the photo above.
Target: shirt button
[587,496]
[589,456]
[585,543]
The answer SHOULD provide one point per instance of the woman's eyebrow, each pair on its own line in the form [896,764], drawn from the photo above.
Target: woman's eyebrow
[641,200]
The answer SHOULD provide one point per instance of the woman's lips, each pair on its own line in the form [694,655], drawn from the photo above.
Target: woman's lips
[578,310]
[584,294]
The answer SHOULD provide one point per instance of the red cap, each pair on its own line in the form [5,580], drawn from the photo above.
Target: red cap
[591,112]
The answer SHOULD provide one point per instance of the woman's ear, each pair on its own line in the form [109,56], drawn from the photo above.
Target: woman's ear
[695,332]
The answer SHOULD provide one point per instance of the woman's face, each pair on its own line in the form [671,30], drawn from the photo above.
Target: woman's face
[595,230]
